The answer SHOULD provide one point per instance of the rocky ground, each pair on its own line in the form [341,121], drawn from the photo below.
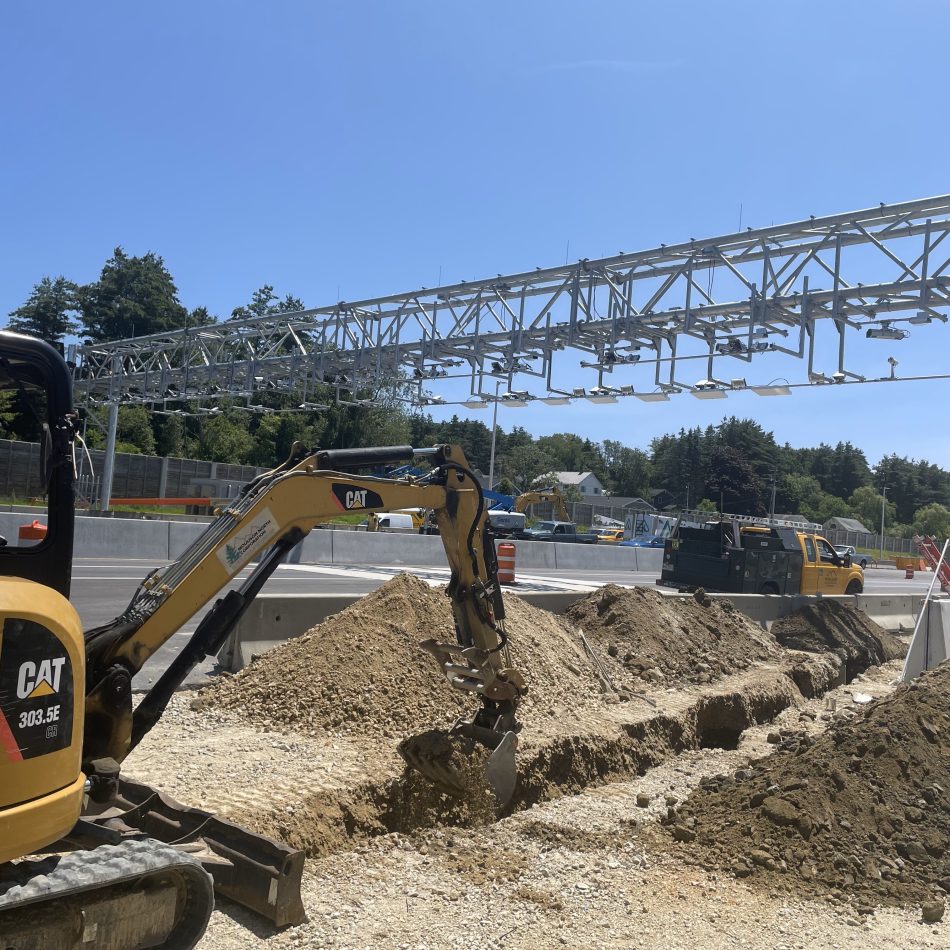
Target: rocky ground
[586,856]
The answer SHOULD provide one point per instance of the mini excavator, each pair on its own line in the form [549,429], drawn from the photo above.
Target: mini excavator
[91,860]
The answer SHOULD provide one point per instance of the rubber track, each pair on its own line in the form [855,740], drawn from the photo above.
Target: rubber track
[53,878]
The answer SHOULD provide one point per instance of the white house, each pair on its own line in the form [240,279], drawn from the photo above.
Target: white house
[587,483]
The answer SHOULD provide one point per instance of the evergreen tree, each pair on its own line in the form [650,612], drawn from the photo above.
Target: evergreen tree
[134,296]
[50,311]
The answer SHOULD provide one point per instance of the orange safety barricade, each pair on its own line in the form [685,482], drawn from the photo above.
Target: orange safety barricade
[909,573]
[506,563]
[32,532]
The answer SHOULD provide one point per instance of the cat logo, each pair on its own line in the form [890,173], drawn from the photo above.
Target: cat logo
[351,498]
[355,499]
[42,680]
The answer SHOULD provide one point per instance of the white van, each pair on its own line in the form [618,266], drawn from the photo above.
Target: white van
[506,523]
[395,522]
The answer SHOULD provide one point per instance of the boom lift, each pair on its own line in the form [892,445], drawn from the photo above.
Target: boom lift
[66,712]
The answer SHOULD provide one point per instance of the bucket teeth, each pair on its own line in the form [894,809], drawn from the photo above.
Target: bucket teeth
[450,760]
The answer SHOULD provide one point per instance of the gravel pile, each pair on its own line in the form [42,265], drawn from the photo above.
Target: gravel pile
[831,626]
[646,639]
[860,814]
[361,672]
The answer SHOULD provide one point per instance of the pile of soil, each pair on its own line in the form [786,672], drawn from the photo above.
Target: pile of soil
[861,814]
[831,626]
[646,639]
[361,671]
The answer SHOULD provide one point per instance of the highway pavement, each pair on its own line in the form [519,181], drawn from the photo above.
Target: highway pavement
[102,587]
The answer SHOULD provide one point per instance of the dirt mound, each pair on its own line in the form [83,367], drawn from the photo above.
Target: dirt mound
[829,625]
[861,814]
[362,671]
[644,638]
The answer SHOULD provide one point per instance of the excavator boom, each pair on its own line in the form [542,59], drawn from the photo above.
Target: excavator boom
[552,496]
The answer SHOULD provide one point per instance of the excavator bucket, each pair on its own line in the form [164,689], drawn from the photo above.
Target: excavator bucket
[465,761]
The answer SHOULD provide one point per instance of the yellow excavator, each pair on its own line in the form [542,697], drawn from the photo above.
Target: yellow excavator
[551,495]
[91,860]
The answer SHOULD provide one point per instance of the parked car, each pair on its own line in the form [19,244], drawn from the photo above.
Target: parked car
[645,541]
[845,549]
[557,531]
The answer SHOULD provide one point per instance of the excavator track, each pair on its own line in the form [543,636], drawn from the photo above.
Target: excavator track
[128,896]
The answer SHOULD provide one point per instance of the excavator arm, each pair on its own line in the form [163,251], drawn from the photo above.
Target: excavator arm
[272,516]
[275,514]
[550,495]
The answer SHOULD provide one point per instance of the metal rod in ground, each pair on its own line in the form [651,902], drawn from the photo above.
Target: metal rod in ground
[598,666]
[924,609]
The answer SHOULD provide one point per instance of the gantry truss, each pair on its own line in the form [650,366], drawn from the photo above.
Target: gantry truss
[734,297]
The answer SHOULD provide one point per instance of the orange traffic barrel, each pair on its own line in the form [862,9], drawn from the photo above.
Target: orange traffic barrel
[506,563]
[909,573]
[32,532]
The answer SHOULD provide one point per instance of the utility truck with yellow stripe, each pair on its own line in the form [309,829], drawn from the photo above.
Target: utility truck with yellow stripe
[745,554]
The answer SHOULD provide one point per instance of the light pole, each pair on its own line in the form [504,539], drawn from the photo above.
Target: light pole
[883,505]
[494,430]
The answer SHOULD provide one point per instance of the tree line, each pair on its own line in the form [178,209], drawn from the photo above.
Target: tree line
[736,466]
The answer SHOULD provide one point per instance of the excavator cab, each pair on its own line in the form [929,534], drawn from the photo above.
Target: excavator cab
[34,383]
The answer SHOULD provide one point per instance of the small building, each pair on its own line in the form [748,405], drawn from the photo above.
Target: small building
[587,483]
[846,524]
[663,499]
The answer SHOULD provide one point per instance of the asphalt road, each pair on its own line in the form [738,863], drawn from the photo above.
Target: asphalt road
[102,588]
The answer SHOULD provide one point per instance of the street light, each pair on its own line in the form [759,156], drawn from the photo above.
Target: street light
[494,430]
[883,504]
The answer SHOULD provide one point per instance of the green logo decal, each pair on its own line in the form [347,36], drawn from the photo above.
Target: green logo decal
[232,554]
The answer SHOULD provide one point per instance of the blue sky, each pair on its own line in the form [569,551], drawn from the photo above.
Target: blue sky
[348,150]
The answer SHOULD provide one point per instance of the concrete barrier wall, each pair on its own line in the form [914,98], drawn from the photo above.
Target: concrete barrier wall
[370,547]
[896,612]
[535,555]
[593,557]
[274,618]
[106,537]
[931,644]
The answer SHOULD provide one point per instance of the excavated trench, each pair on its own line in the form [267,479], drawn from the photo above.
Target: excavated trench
[710,671]
[334,821]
